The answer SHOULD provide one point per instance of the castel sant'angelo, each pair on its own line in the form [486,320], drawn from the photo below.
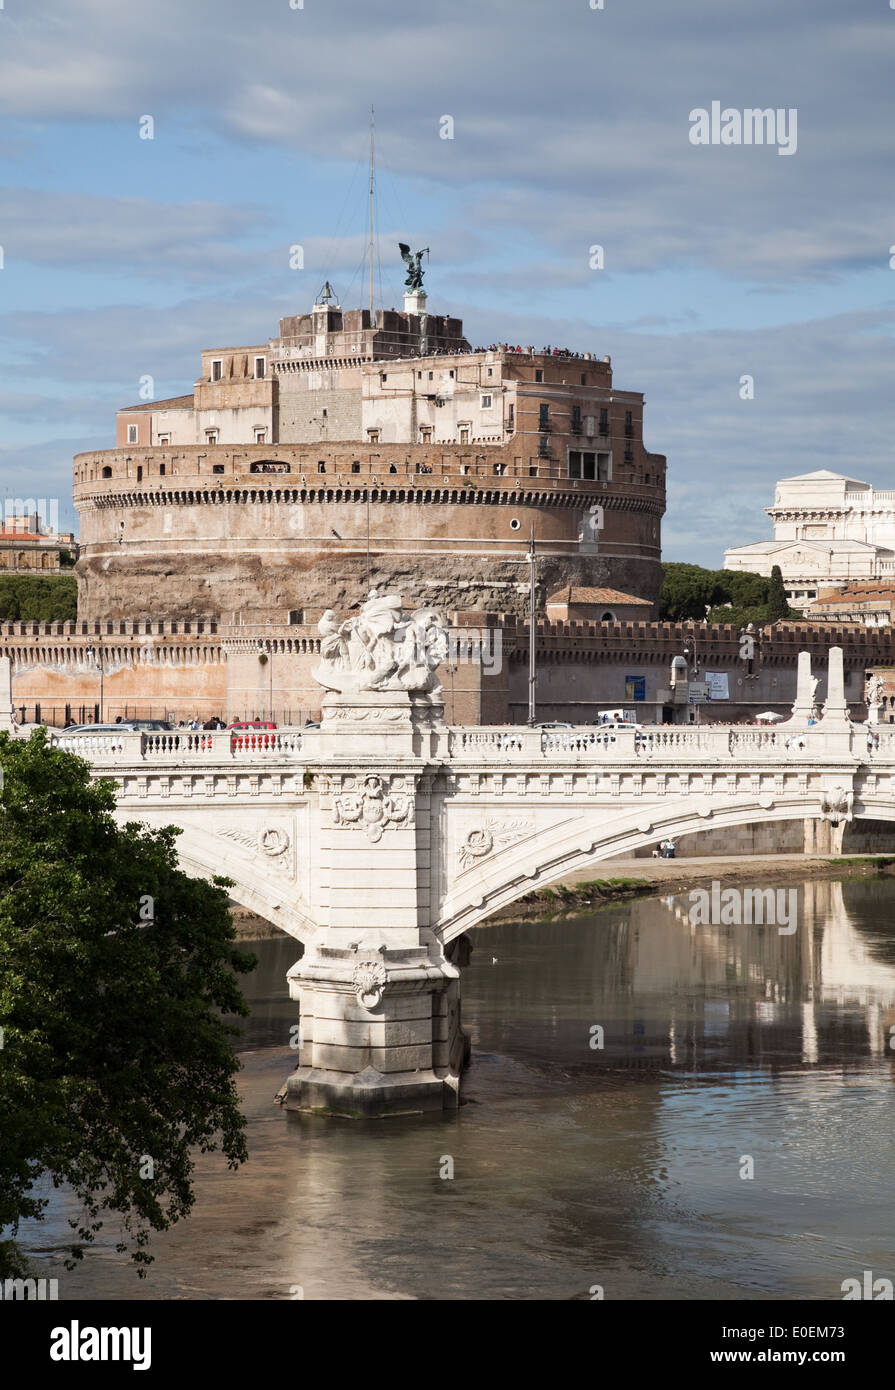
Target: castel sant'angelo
[354,450]
[360,450]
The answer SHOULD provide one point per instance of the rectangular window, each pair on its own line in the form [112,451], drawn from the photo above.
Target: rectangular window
[490,371]
[464,433]
[355,467]
[321,467]
[543,417]
[574,463]
[139,472]
[260,436]
[629,422]
[486,402]
[588,466]
[217,369]
[604,420]
[583,379]
[383,378]
[511,417]
[539,375]
[211,436]
[372,436]
[425,434]
[259,367]
[132,434]
[576,419]
[161,470]
[430,376]
[217,468]
[164,439]
[604,468]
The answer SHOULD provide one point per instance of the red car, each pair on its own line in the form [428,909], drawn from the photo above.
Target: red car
[251,733]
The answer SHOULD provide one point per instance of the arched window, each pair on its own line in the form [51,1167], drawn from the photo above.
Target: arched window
[107,472]
[607,617]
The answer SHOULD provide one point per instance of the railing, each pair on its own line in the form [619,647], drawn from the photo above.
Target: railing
[717,745]
[182,745]
[97,746]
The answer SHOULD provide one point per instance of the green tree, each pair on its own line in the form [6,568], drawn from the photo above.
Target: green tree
[40,598]
[687,590]
[115,971]
[778,607]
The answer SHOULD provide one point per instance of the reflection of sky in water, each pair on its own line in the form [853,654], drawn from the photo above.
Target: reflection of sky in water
[576,1166]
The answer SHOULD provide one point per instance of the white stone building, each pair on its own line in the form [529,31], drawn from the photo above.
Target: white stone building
[829,530]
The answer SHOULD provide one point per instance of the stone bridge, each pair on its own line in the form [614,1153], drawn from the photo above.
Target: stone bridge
[383,836]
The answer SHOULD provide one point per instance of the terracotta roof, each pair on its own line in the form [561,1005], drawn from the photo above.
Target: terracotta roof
[172,403]
[856,593]
[571,594]
[22,536]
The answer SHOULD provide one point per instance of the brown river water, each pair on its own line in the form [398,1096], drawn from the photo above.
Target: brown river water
[576,1166]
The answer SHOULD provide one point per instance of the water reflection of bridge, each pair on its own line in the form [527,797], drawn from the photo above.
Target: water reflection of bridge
[827,973]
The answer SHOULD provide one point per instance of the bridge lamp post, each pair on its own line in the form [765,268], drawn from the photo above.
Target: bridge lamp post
[532,630]
[96,654]
[694,671]
[267,660]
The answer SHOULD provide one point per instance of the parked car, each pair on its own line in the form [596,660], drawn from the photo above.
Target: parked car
[553,724]
[125,727]
[251,733]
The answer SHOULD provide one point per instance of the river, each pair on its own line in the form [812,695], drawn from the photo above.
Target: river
[625,1167]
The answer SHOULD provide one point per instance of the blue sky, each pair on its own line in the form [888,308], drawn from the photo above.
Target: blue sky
[125,257]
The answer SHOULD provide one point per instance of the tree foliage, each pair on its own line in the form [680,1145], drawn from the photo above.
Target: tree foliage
[688,590]
[41,598]
[115,971]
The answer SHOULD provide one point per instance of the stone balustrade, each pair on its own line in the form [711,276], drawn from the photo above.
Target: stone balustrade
[711,744]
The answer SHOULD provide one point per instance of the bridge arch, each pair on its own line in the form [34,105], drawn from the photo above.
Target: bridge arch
[271,895]
[574,844]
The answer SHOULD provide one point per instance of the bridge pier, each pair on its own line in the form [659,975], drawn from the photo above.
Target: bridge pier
[380,1032]
[379,999]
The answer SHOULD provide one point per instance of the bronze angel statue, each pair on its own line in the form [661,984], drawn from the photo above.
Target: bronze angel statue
[412,260]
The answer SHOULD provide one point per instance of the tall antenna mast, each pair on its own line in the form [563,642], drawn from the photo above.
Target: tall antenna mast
[372,197]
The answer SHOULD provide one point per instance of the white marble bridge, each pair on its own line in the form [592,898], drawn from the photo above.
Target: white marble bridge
[381,837]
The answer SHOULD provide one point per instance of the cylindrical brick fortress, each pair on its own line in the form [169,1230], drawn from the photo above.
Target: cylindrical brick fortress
[263,530]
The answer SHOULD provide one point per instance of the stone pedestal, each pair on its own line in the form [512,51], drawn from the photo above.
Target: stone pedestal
[380,1032]
[383,724]
[835,711]
[415,302]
